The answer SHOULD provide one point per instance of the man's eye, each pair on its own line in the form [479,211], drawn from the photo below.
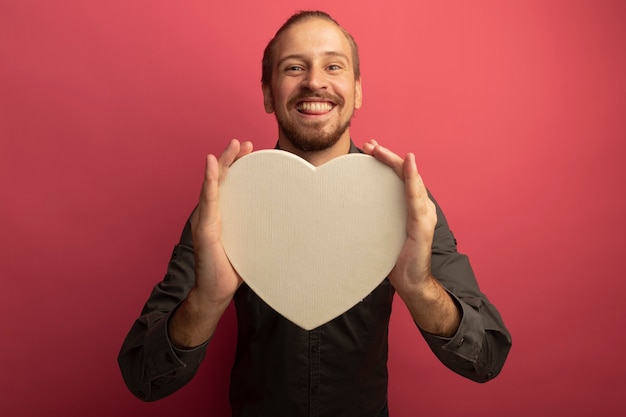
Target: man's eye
[334,67]
[294,68]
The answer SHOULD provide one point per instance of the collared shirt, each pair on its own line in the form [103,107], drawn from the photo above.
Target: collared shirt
[338,369]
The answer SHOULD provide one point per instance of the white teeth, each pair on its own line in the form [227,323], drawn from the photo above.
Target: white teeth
[315,106]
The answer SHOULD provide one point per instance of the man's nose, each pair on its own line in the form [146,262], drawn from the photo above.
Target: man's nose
[316,79]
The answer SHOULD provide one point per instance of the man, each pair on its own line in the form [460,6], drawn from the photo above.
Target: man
[311,82]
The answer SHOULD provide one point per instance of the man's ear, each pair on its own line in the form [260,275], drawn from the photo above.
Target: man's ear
[268,102]
[358,94]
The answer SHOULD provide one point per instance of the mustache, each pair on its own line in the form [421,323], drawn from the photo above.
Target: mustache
[318,96]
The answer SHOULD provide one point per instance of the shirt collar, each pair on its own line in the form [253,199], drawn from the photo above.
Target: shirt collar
[353,148]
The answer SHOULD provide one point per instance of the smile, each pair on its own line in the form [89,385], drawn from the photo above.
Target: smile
[314,107]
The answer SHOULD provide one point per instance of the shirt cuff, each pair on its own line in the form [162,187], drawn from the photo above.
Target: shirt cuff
[164,357]
[467,342]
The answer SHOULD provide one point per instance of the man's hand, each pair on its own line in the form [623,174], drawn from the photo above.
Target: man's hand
[216,281]
[430,305]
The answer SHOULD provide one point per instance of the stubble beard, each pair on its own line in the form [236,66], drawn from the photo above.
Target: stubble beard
[311,137]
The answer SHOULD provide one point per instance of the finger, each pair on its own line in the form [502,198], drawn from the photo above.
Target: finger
[245,148]
[389,158]
[212,175]
[421,208]
[413,180]
[233,151]
[368,147]
[410,168]
[230,154]
[209,194]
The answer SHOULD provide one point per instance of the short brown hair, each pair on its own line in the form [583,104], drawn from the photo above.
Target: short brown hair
[268,53]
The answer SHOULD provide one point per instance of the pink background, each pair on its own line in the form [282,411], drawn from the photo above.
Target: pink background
[516,111]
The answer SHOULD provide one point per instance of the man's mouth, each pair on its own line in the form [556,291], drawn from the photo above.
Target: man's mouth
[314,107]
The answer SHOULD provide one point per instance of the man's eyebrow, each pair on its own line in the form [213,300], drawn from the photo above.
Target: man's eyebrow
[303,57]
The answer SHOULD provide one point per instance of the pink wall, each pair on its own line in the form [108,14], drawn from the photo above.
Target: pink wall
[517,113]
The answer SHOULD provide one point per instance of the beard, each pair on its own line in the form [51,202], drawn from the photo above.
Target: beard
[312,137]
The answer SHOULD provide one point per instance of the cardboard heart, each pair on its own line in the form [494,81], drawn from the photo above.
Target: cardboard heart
[312,242]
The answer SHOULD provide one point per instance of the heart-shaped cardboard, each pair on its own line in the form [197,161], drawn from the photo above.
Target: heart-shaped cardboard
[312,242]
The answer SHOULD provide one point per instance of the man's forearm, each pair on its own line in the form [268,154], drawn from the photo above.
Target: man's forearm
[194,322]
[432,308]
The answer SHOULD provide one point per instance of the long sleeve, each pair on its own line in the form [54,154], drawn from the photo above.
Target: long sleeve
[480,346]
[151,366]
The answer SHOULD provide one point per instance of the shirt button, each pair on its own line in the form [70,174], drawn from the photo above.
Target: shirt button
[168,357]
[461,341]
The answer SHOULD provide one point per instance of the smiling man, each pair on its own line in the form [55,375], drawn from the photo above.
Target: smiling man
[311,82]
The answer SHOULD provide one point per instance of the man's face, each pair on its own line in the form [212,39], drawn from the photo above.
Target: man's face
[313,92]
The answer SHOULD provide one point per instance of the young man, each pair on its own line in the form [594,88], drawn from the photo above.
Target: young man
[311,82]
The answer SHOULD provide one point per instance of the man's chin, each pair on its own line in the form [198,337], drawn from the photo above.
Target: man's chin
[312,140]
[311,146]
[312,143]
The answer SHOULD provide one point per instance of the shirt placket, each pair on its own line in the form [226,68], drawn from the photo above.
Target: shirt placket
[314,374]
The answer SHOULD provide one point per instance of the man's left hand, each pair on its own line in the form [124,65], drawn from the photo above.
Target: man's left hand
[430,305]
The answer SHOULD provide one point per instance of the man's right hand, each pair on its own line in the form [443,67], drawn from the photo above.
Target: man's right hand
[216,281]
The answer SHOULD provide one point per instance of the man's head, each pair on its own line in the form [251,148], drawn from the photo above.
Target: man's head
[311,81]
[269,52]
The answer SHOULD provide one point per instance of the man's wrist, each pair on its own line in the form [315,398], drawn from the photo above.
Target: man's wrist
[194,322]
